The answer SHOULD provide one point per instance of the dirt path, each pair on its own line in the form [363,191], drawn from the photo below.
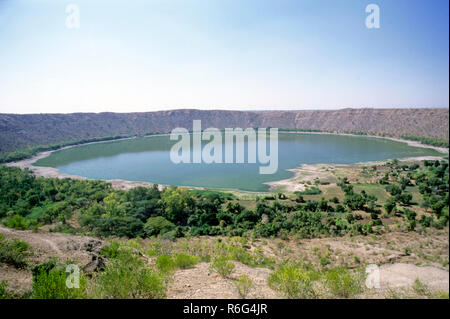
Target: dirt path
[40,242]
[63,246]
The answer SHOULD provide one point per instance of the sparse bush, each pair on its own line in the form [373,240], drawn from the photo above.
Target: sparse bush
[4,293]
[49,282]
[184,261]
[243,285]
[343,283]
[309,191]
[421,288]
[14,252]
[436,295]
[127,276]
[111,250]
[325,259]
[293,282]
[165,263]
[222,266]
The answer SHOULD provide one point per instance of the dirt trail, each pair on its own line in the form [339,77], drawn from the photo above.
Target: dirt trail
[40,242]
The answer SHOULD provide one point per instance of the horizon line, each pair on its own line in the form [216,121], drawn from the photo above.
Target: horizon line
[243,110]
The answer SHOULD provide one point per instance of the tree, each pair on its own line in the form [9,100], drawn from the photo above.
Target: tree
[113,207]
[157,225]
[177,204]
[393,190]
[390,205]
[405,199]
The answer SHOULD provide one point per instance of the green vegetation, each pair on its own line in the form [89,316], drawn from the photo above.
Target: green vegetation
[26,202]
[185,261]
[428,140]
[420,288]
[4,293]
[309,191]
[49,282]
[243,285]
[343,283]
[414,197]
[300,281]
[165,263]
[222,266]
[294,281]
[127,276]
[14,252]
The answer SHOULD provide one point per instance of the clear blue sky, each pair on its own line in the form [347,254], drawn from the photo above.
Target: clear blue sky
[228,54]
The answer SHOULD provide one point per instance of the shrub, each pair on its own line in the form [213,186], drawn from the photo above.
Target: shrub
[293,282]
[184,261]
[222,266]
[111,250]
[309,191]
[14,252]
[49,282]
[393,190]
[17,222]
[240,254]
[165,263]
[441,294]
[243,285]
[4,293]
[343,283]
[420,288]
[127,276]
[324,260]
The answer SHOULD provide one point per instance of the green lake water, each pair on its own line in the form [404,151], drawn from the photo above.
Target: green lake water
[148,159]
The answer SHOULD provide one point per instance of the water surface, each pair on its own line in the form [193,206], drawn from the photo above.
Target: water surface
[148,159]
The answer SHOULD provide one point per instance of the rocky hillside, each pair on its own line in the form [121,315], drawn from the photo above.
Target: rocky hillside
[19,131]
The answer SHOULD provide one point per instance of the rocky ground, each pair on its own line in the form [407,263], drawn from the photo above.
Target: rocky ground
[402,258]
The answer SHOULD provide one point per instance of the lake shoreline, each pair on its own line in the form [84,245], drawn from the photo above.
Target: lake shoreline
[288,184]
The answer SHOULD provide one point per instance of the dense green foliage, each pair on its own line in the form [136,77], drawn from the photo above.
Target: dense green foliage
[27,202]
[431,180]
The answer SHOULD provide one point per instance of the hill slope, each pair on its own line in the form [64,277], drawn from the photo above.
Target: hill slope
[19,131]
